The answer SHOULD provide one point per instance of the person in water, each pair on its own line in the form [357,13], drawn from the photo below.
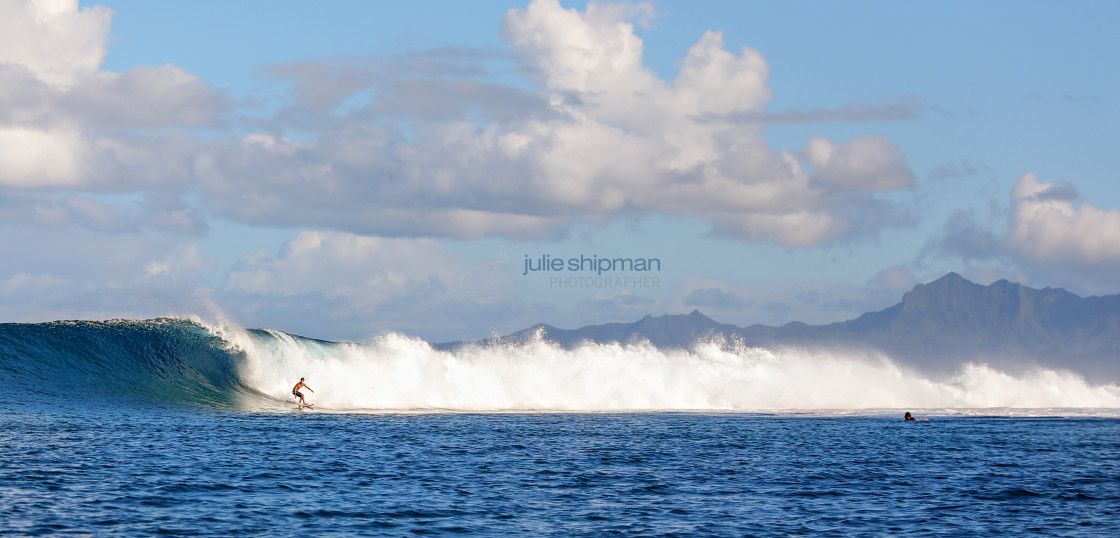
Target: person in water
[301,384]
[908,416]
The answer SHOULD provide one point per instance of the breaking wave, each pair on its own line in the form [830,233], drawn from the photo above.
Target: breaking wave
[189,362]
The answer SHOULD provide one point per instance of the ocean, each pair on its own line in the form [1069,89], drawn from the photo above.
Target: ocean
[176,426]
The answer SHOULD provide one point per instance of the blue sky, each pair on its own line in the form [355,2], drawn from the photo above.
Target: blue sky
[352,168]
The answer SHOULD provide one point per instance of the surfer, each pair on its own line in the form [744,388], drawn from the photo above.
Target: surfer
[301,384]
[908,416]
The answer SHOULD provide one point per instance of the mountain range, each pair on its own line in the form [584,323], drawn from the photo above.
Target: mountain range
[936,328]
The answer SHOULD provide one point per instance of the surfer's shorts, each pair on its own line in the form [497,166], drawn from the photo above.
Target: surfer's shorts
[297,394]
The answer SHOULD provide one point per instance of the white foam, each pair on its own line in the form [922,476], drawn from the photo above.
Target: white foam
[396,372]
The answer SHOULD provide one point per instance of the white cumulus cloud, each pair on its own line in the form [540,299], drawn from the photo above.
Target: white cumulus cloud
[55,39]
[598,137]
[426,146]
[42,157]
[60,113]
[1047,228]
[868,163]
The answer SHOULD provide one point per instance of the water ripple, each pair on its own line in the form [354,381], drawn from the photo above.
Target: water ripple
[144,471]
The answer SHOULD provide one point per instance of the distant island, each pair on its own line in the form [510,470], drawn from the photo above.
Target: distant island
[936,328]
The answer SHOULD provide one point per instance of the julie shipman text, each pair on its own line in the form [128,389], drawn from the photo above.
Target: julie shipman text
[594,263]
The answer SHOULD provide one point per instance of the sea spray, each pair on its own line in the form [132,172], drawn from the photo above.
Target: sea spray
[187,361]
[396,372]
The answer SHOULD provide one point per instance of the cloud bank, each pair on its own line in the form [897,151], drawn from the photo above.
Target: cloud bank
[430,144]
[371,163]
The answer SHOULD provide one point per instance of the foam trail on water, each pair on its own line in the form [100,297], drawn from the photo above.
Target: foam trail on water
[396,372]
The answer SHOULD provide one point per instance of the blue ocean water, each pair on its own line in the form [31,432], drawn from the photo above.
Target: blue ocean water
[139,428]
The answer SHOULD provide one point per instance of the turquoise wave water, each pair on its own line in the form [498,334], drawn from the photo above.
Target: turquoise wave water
[165,360]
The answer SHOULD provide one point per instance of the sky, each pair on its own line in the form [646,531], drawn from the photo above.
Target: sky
[345,169]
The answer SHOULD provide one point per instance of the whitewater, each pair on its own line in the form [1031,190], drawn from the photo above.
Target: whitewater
[194,362]
[398,372]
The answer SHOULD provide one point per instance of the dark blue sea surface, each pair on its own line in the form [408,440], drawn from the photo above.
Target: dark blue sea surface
[140,428]
[141,471]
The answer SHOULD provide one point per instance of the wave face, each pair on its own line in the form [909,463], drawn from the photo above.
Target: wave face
[188,362]
[163,360]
